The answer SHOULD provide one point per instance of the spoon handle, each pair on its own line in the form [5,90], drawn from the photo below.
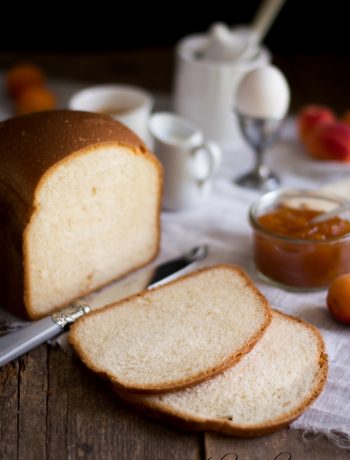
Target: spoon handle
[265,16]
[332,213]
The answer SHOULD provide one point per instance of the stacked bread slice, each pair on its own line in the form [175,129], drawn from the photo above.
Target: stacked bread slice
[206,352]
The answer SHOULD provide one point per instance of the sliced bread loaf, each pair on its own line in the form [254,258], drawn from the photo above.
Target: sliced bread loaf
[266,390]
[80,206]
[176,335]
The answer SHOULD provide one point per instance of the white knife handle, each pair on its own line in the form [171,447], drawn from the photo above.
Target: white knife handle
[19,342]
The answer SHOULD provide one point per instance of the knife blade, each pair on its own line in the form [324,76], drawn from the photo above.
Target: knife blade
[16,343]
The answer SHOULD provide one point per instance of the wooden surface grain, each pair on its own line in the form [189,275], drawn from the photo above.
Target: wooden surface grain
[52,408]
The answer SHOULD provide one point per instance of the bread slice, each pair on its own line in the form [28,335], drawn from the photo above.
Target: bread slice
[80,200]
[266,390]
[177,335]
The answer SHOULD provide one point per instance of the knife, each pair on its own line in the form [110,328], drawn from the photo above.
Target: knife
[15,344]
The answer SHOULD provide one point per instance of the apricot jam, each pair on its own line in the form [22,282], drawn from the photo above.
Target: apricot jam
[294,252]
[295,223]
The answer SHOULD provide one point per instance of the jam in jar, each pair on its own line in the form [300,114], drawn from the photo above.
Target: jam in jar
[291,250]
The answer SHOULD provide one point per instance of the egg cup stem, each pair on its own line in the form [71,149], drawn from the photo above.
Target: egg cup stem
[259,134]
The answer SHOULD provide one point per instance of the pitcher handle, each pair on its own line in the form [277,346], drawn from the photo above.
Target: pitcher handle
[213,156]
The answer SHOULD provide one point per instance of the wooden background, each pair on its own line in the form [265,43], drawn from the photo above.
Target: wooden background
[318,78]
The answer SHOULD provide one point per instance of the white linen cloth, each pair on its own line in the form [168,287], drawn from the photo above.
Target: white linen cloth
[222,223]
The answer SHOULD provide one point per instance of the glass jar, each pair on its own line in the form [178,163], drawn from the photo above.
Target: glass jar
[291,251]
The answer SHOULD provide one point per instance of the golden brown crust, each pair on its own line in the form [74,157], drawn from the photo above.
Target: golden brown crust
[32,144]
[183,421]
[31,148]
[189,381]
[11,268]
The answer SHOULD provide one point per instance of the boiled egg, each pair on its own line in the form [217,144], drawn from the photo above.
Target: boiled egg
[263,93]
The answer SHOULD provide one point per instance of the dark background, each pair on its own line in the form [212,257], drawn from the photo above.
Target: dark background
[307,26]
[133,42]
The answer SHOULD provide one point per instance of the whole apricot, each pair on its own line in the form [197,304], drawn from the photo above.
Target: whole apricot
[22,76]
[330,141]
[338,298]
[35,99]
[312,116]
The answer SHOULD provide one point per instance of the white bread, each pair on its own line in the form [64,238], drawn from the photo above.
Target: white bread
[176,335]
[80,206]
[266,390]
[131,284]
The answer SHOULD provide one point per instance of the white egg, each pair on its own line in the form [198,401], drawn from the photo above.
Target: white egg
[263,93]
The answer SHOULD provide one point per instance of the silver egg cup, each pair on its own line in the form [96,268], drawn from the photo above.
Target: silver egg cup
[259,133]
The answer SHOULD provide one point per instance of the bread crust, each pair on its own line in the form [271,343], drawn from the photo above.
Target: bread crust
[32,144]
[184,382]
[27,160]
[183,421]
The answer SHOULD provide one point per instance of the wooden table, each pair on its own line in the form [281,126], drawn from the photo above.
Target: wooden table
[51,407]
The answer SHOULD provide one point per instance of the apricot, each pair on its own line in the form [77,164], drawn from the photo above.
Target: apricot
[338,298]
[311,117]
[22,76]
[330,142]
[346,117]
[35,99]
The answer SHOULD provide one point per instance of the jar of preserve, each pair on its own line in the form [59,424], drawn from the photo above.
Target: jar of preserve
[290,249]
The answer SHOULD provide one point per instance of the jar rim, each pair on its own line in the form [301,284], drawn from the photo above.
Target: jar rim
[271,199]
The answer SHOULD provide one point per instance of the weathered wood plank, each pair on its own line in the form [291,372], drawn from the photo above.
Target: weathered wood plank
[86,420]
[269,447]
[67,413]
[8,410]
[32,405]
[58,382]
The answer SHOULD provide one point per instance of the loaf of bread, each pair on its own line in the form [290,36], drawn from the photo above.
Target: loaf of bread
[79,204]
[176,335]
[266,390]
